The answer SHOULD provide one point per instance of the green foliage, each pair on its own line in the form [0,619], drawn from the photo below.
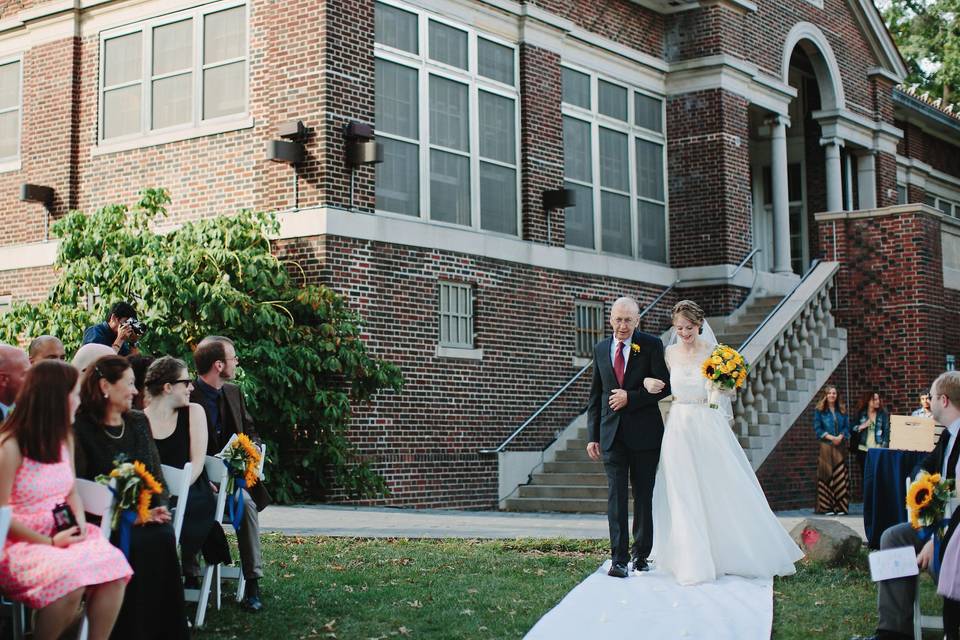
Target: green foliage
[302,362]
[927,33]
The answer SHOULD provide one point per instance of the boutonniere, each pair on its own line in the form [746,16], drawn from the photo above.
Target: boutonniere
[634,347]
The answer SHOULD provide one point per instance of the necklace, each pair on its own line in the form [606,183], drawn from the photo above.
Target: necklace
[106,429]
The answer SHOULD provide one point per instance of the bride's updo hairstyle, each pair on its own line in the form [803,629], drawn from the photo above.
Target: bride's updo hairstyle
[689,310]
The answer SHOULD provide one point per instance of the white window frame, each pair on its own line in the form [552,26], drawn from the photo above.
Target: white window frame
[455,287]
[6,303]
[426,67]
[580,310]
[12,163]
[596,120]
[198,126]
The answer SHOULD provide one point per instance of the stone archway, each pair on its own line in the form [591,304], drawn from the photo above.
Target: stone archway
[825,67]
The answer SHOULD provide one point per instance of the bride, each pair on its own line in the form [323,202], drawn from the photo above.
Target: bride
[710,515]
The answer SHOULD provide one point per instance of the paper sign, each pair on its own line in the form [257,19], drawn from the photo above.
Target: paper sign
[912,433]
[893,563]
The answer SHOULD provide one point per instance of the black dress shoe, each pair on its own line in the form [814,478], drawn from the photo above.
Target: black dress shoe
[617,570]
[640,564]
[251,601]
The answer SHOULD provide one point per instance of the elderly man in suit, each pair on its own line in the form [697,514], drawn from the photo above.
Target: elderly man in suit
[216,361]
[13,369]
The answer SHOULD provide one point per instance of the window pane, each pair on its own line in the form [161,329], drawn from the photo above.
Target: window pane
[9,133]
[495,61]
[224,35]
[576,88]
[613,160]
[224,90]
[396,99]
[449,187]
[172,101]
[901,194]
[497,128]
[944,206]
[10,85]
[794,188]
[395,27]
[579,218]
[498,198]
[648,112]
[398,178]
[652,231]
[649,170]
[613,100]
[929,200]
[121,111]
[615,223]
[449,114]
[121,59]
[448,45]
[173,47]
[576,150]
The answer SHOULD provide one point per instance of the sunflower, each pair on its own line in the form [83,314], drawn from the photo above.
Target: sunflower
[708,370]
[920,495]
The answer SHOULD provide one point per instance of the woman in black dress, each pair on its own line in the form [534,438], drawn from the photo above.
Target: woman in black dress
[105,430]
[179,430]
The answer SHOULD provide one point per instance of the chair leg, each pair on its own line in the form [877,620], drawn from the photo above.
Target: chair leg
[216,584]
[19,616]
[241,586]
[204,596]
[917,616]
[84,628]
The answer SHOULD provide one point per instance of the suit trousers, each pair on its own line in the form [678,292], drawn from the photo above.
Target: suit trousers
[248,540]
[895,598]
[638,467]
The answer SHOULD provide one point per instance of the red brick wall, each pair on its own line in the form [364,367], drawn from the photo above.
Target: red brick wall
[27,284]
[936,152]
[622,21]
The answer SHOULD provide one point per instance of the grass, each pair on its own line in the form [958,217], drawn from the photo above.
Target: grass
[348,588]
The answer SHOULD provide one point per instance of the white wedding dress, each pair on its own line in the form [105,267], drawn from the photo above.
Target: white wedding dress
[710,517]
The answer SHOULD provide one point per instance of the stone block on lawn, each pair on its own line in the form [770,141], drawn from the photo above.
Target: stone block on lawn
[826,540]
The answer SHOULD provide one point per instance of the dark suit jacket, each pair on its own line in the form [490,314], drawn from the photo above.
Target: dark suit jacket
[933,463]
[640,420]
[236,419]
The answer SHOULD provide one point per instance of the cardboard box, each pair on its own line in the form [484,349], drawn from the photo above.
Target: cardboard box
[913,433]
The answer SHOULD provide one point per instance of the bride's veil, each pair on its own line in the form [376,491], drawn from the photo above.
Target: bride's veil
[707,335]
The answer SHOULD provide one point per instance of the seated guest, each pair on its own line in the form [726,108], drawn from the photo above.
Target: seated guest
[88,354]
[872,428]
[106,429]
[48,569]
[924,410]
[46,348]
[179,430]
[117,332]
[896,597]
[833,431]
[140,363]
[13,368]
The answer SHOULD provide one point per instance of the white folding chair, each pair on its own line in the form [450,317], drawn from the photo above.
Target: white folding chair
[217,474]
[178,485]
[97,500]
[236,573]
[921,621]
[18,612]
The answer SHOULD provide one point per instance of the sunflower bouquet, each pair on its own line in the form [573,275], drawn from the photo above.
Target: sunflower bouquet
[927,499]
[725,369]
[134,488]
[242,459]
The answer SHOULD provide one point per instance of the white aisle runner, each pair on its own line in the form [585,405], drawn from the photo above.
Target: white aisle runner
[652,605]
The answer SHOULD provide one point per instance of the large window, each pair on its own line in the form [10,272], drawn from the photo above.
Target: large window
[446,113]
[9,111]
[456,315]
[178,71]
[613,146]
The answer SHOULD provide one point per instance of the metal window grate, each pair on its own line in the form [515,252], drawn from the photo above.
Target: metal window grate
[456,315]
[588,327]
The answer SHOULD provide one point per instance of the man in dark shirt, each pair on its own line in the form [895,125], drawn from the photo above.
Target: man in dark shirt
[115,332]
[216,361]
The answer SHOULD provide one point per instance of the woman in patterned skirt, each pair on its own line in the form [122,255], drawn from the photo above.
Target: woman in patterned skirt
[833,431]
[50,571]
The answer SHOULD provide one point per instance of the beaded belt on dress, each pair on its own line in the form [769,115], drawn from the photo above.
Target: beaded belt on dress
[682,401]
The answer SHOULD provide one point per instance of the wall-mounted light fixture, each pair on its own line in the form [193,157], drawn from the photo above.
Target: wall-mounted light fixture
[43,195]
[361,149]
[291,149]
[557,199]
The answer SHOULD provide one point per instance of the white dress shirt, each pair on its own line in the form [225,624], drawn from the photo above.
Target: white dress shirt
[626,352]
[953,428]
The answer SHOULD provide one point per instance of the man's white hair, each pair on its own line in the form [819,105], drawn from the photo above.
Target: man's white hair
[626,301]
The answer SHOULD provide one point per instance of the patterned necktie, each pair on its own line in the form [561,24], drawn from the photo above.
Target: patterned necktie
[619,364]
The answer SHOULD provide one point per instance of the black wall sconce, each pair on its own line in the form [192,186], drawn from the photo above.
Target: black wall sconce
[360,149]
[290,150]
[43,195]
[557,199]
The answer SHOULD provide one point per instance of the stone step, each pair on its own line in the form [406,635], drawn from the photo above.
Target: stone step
[583,505]
[569,492]
[797,384]
[760,430]
[598,479]
[573,467]
[577,443]
[573,455]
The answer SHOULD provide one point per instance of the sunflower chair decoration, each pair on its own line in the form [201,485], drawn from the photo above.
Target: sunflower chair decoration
[242,459]
[927,499]
[133,487]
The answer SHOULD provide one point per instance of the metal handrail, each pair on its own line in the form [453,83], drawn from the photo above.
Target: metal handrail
[783,301]
[744,262]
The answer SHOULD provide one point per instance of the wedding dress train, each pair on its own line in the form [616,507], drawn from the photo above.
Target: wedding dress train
[710,516]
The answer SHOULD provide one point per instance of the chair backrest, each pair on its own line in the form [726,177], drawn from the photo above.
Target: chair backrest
[5,516]
[97,500]
[178,485]
[217,474]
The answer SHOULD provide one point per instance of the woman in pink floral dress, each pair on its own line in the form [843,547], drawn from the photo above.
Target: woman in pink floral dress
[47,570]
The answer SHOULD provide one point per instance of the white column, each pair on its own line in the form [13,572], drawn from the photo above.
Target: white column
[834,177]
[867,179]
[848,185]
[781,195]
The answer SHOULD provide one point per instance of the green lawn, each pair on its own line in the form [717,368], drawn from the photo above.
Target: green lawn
[362,589]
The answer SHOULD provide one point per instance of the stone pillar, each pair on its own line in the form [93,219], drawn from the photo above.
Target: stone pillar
[834,174]
[780,195]
[848,187]
[867,180]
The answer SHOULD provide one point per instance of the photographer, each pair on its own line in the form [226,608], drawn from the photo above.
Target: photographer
[121,331]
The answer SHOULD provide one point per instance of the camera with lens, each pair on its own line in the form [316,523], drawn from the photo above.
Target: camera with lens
[138,327]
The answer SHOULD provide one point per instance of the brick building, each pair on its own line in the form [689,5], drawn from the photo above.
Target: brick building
[690,132]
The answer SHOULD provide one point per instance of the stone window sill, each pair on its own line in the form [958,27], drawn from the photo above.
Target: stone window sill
[152,140]
[459,352]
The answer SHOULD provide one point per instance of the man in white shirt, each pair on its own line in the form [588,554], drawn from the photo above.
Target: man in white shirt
[895,597]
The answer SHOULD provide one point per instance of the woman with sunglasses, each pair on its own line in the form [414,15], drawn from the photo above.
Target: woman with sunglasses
[179,430]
